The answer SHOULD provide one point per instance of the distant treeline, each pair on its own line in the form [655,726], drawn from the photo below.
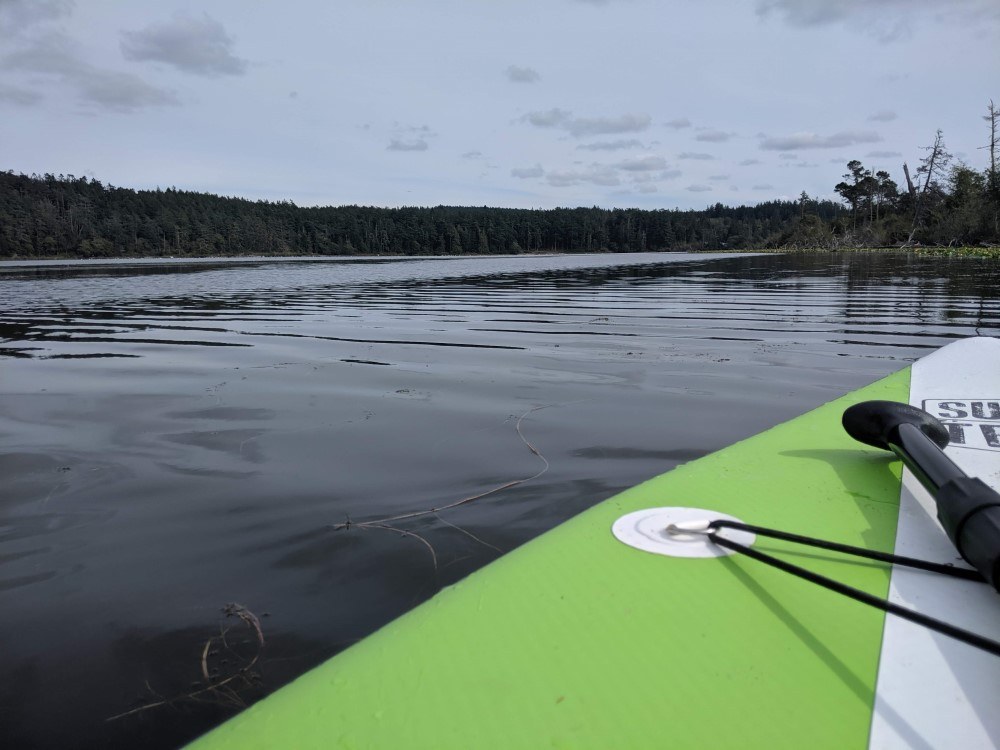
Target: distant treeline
[943,202]
[48,216]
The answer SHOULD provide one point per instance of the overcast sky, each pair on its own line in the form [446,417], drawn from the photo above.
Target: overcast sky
[534,104]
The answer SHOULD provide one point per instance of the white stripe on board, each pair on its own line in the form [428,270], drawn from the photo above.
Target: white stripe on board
[932,691]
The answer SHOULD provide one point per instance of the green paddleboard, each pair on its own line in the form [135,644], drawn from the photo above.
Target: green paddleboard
[578,640]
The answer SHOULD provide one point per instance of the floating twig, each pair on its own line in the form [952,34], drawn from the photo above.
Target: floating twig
[404,532]
[383,523]
[238,610]
[469,534]
[221,689]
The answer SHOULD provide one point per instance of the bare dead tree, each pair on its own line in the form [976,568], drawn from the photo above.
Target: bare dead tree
[992,178]
[909,183]
[933,168]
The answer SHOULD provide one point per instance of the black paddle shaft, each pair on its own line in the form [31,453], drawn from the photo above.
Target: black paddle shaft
[968,509]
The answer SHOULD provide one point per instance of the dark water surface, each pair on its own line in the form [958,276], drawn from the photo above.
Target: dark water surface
[178,437]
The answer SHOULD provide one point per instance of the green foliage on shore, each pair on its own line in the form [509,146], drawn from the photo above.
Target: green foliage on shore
[52,216]
[981,251]
[944,203]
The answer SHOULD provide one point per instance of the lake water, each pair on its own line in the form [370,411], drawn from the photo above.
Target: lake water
[176,437]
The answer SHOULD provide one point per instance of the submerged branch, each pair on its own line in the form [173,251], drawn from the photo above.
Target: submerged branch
[383,522]
[222,688]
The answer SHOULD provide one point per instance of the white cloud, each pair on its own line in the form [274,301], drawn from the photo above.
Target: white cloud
[526,172]
[887,20]
[407,144]
[549,118]
[809,12]
[517,74]
[410,137]
[597,174]
[883,115]
[17,95]
[192,45]
[645,164]
[798,141]
[713,136]
[17,15]
[583,126]
[820,12]
[620,144]
[122,92]
[58,57]
[608,125]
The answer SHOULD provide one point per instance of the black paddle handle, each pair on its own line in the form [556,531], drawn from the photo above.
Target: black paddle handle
[968,508]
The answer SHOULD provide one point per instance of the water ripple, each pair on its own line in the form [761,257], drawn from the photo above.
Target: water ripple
[175,436]
[619,298]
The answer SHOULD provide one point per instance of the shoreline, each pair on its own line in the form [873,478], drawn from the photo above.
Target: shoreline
[18,262]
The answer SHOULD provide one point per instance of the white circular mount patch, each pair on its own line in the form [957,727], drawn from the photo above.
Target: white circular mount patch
[647,530]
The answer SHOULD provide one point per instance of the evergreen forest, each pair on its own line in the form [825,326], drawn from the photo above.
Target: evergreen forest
[942,202]
[51,216]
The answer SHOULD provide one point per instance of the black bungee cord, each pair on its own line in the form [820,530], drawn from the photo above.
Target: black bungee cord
[968,509]
[711,530]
